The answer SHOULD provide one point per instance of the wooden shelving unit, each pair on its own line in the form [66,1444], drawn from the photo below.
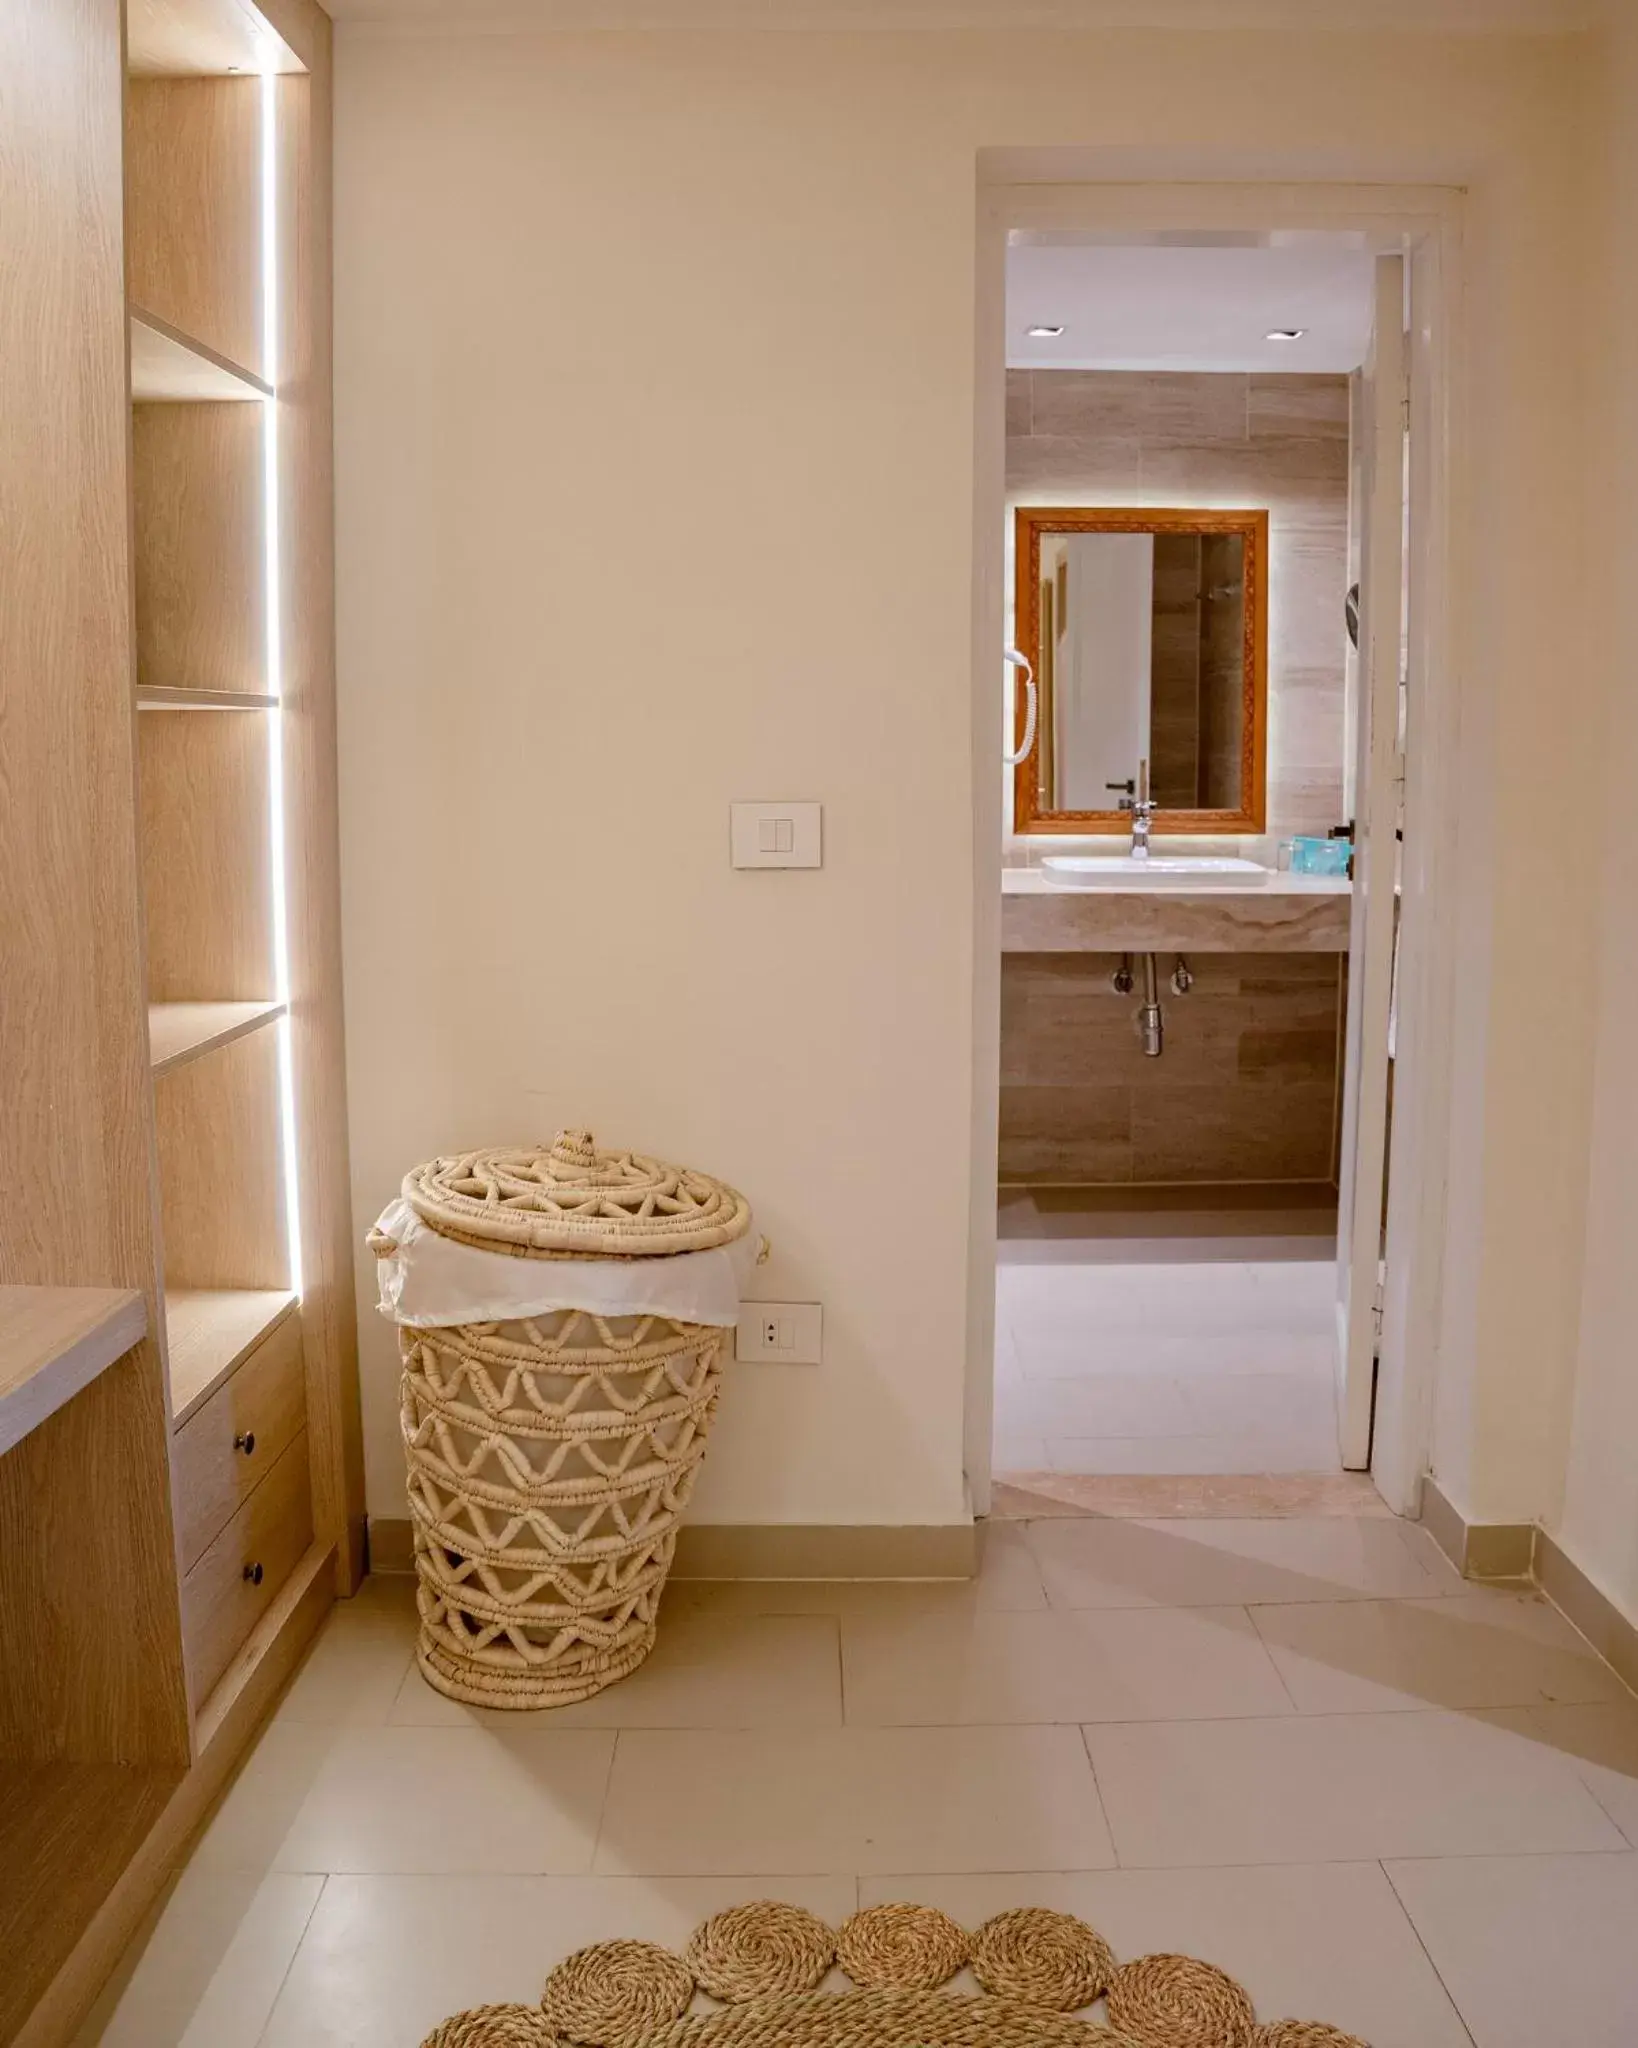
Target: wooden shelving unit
[180,1470]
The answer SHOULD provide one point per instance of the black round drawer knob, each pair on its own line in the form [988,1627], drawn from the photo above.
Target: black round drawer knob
[253,1572]
[246,1443]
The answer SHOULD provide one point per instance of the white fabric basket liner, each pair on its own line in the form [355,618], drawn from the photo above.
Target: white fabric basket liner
[430,1280]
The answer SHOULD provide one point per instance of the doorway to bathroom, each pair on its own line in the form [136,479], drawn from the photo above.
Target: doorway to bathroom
[1203,594]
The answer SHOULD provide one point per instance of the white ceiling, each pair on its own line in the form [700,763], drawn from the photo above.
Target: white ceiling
[1188,309]
[1475,15]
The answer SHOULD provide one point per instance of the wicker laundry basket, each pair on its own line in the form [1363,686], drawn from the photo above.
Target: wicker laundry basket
[550,1457]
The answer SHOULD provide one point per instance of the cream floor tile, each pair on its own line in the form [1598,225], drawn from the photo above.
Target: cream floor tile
[357,1663]
[1602,1744]
[1446,1578]
[1174,1354]
[1097,1665]
[1235,1403]
[1100,1404]
[1248,1451]
[248,1829]
[1231,1563]
[409,1800]
[1326,1788]
[1315,1941]
[386,1958]
[707,1670]
[1485,1650]
[1016,1450]
[859,1799]
[1008,1578]
[1533,1949]
[206,1972]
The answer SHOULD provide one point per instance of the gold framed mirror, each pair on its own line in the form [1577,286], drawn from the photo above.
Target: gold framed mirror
[1148,635]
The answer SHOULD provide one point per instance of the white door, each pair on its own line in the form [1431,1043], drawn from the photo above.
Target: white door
[1377,784]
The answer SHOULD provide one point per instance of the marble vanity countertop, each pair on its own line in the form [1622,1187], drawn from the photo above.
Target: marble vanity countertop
[1283,913]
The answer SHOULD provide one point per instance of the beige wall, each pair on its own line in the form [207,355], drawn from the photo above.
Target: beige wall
[1119,438]
[720,288]
[1599,1521]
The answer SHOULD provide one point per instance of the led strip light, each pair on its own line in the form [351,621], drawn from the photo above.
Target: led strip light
[275,663]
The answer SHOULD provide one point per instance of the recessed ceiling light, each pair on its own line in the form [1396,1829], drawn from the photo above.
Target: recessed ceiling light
[1044,332]
[1285,334]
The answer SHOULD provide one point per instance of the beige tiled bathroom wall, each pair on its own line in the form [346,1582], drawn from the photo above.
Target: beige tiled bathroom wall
[1280,443]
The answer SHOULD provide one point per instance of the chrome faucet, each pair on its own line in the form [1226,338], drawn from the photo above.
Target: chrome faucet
[1142,810]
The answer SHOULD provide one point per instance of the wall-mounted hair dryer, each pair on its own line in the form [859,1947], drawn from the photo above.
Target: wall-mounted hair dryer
[1016,660]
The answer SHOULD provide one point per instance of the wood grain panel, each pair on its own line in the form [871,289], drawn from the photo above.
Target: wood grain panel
[206,857]
[236,1438]
[193,209]
[201,608]
[98,1677]
[53,1342]
[234,1583]
[67,1832]
[314,895]
[226,1724]
[188,38]
[209,1331]
[1244,1090]
[221,1173]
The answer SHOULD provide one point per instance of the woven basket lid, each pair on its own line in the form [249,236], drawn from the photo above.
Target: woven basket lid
[574,1200]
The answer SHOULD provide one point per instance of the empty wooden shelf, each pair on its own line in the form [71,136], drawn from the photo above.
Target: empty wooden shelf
[166,366]
[210,1332]
[182,1031]
[53,1342]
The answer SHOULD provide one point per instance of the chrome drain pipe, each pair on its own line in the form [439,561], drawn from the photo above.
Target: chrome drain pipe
[1151,1028]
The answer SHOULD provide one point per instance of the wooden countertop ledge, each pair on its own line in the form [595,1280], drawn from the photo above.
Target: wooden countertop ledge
[56,1340]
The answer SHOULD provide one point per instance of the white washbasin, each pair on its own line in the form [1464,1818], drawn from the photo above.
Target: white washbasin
[1159,871]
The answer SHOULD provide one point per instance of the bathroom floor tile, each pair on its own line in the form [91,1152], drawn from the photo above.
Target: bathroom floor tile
[1099,1665]
[706,1670]
[358,1660]
[1098,1404]
[1533,1949]
[1311,1941]
[1008,1578]
[855,1799]
[1287,1403]
[248,1828]
[1486,1650]
[1601,1742]
[1323,1788]
[452,1799]
[386,1958]
[1095,1563]
[206,1973]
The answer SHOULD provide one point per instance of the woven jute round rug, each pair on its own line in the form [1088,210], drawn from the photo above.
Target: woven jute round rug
[916,1947]
[493,2026]
[762,1950]
[886,2019]
[1303,2034]
[616,1994]
[1166,2001]
[1041,1972]
[1048,1958]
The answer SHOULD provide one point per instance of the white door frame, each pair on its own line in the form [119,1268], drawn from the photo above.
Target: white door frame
[1425,225]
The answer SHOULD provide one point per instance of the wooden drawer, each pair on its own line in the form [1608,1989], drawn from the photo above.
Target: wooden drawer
[233,1584]
[225,1451]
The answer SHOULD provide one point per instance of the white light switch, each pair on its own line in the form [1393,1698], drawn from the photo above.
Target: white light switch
[780,1332]
[771,835]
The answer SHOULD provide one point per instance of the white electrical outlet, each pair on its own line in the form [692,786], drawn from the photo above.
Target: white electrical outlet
[780,1332]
